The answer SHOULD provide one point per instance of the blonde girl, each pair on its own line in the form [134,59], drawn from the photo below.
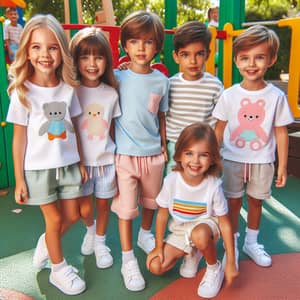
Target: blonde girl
[46,157]
[99,101]
[193,196]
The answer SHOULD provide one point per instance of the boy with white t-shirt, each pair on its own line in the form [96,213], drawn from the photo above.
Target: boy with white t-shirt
[252,119]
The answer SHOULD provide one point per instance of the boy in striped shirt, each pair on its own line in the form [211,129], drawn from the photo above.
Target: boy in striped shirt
[193,92]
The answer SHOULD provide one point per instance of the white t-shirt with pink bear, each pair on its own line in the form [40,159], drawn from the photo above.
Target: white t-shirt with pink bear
[251,116]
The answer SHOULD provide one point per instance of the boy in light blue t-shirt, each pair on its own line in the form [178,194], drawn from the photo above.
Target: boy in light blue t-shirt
[140,138]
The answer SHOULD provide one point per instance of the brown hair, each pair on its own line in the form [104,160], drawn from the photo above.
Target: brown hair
[191,32]
[190,135]
[92,40]
[142,23]
[256,35]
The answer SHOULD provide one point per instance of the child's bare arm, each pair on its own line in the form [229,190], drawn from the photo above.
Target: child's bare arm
[160,228]
[163,135]
[282,140]
[226,230]
[219,131]
[18,148]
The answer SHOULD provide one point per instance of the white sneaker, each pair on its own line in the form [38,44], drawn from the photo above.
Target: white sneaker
[87,246]
[40,255]
[67,280]
[236,253]
[103,257]
[257,253]
[189,265]
[132,276]
[147,244]
[211,282]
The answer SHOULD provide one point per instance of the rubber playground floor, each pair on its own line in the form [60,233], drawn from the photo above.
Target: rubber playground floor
[20,227]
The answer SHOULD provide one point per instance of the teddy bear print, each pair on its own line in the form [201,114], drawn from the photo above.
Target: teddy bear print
[56,126]
[250,116]
[93,122]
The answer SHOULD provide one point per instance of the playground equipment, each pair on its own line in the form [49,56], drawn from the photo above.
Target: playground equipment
[6,162]
[232,11]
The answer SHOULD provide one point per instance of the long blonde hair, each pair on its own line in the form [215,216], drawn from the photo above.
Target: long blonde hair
[91,40]
[21,69]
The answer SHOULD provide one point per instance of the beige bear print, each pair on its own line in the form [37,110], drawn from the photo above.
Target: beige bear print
[94,122]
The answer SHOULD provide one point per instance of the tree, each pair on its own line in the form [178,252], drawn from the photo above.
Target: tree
[187,9]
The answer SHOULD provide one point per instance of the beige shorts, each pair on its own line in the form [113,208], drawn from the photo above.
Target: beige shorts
[180,236]
[139,181]
[254,179]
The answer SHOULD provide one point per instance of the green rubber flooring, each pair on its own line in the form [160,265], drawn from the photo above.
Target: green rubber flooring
[19,231]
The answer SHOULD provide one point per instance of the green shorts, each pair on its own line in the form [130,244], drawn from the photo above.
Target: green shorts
[47,186]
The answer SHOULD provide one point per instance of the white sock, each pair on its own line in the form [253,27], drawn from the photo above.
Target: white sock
[91,229]
[57,267]
[214,266]
[100,239]
[144,233]
[127,256]
[251,236]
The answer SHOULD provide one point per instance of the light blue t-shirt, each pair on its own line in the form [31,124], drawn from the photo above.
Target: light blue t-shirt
[142,96]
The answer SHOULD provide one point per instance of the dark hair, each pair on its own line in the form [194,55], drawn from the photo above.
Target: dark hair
[142,23]
[92,40]
[192,134]
[191,32]
[254,36]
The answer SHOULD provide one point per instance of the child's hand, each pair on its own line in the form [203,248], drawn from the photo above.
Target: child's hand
[124,66]
[156,252]
[83,173]
[21,193]
[231,273]
[281,178]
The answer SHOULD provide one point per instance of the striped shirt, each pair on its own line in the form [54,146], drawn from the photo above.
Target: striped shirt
[190,102]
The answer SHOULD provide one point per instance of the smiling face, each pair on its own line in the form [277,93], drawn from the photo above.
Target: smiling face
[253,64]
[141,52]
[91,68]
[191,60]
[195,161]
[45,56]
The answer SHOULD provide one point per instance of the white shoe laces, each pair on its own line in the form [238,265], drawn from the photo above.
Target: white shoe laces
[132,269]
[210,277]
[102,250]
[259,250]
[70,274]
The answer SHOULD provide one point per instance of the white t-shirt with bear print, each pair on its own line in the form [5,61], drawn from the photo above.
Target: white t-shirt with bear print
[100,105]
[251,116]
[51,139]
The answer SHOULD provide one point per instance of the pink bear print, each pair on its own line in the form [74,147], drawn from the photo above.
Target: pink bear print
[94,122]
[250,116]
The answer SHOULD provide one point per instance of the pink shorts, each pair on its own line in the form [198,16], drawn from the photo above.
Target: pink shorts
[139,181]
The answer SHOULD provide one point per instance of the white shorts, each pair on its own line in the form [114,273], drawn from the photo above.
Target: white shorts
[101,183]
[180,236]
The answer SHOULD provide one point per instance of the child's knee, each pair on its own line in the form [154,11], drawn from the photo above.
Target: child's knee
[202,236]
[85,212]
[155,266]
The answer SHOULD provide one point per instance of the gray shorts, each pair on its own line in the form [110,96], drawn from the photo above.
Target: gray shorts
[102,182]
[255,179]
[180,236]
[47,186]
